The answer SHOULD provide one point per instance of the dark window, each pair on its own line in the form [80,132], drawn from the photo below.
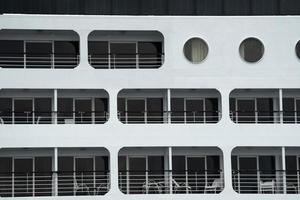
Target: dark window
[23,111]
[150,54]
[289,110]
[65,176]
[11,54]
[66,54]
[265,110]
[246,111]
[101,110]
[251,50]
[98,54]
[83,111]
[5,177]
[121,110]
[123,55]
[135,111]
[43,176]
[155,110]
[178,165]
[267,168]
[23,168]
[39,55]
[194,110]
[65,110]
[6,110]
[177,110]
[43,110]
[211,110]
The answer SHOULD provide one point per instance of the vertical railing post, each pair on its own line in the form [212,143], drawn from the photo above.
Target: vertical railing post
[52,61]
[280,106]
[137,60]
[168,106]
[284,169]
[55,172]
[170,170]
[55,106]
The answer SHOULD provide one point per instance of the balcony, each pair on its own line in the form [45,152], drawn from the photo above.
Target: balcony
[149,171]
[126,49]
[39,49]
[31,172]
[265,106]
[262,170]
[150,106]
[31,106]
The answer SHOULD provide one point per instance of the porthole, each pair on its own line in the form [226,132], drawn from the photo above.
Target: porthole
[251,50]
[195,50]
[297,49]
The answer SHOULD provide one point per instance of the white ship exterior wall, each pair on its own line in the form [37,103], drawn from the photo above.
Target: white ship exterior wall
[223,70]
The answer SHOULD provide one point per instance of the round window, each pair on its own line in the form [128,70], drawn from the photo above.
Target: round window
[297,48]
[251,50]
[195,50]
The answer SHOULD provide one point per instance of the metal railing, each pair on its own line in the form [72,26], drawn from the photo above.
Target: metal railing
[39,61]
[126,61]
[254,116]
[266,182]
[179,117]
[171,182]
[40,117]
[54,183]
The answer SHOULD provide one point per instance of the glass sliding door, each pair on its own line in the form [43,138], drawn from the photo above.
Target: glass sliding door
[135,110]
[23,111]
[98,54]
[298,110]
[123,55]
[197,175]
[23,180]
[248,175]
[246,111]
[292,174]
[39,55]
[154,110]
[43,110]
[43,176]
[177,110]
[194,110]
[101,110]
[6,178]
[289,110]
[66,186]
[137,174]
[83,111]
[5,110]
[102,174]
[265,110]
[65,111]
[150,54]
[85,179]
[156,173]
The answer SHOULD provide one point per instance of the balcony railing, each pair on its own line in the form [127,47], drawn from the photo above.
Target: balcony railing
[31,117]
[126,61]
[152,117]
[251,116]
[166,182]
[266,182]
[39,61]
[54,183]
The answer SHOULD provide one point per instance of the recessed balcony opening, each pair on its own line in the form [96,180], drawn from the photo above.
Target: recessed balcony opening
[126,49]
[32,106]
[255,106]
[39,49]
[265,170]
[31,172]
[291,106]
[176,170]
[138,106]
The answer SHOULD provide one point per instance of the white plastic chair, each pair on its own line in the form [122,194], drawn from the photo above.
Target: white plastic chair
[179,187]
[265,186]
[217,183]
[82,187]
